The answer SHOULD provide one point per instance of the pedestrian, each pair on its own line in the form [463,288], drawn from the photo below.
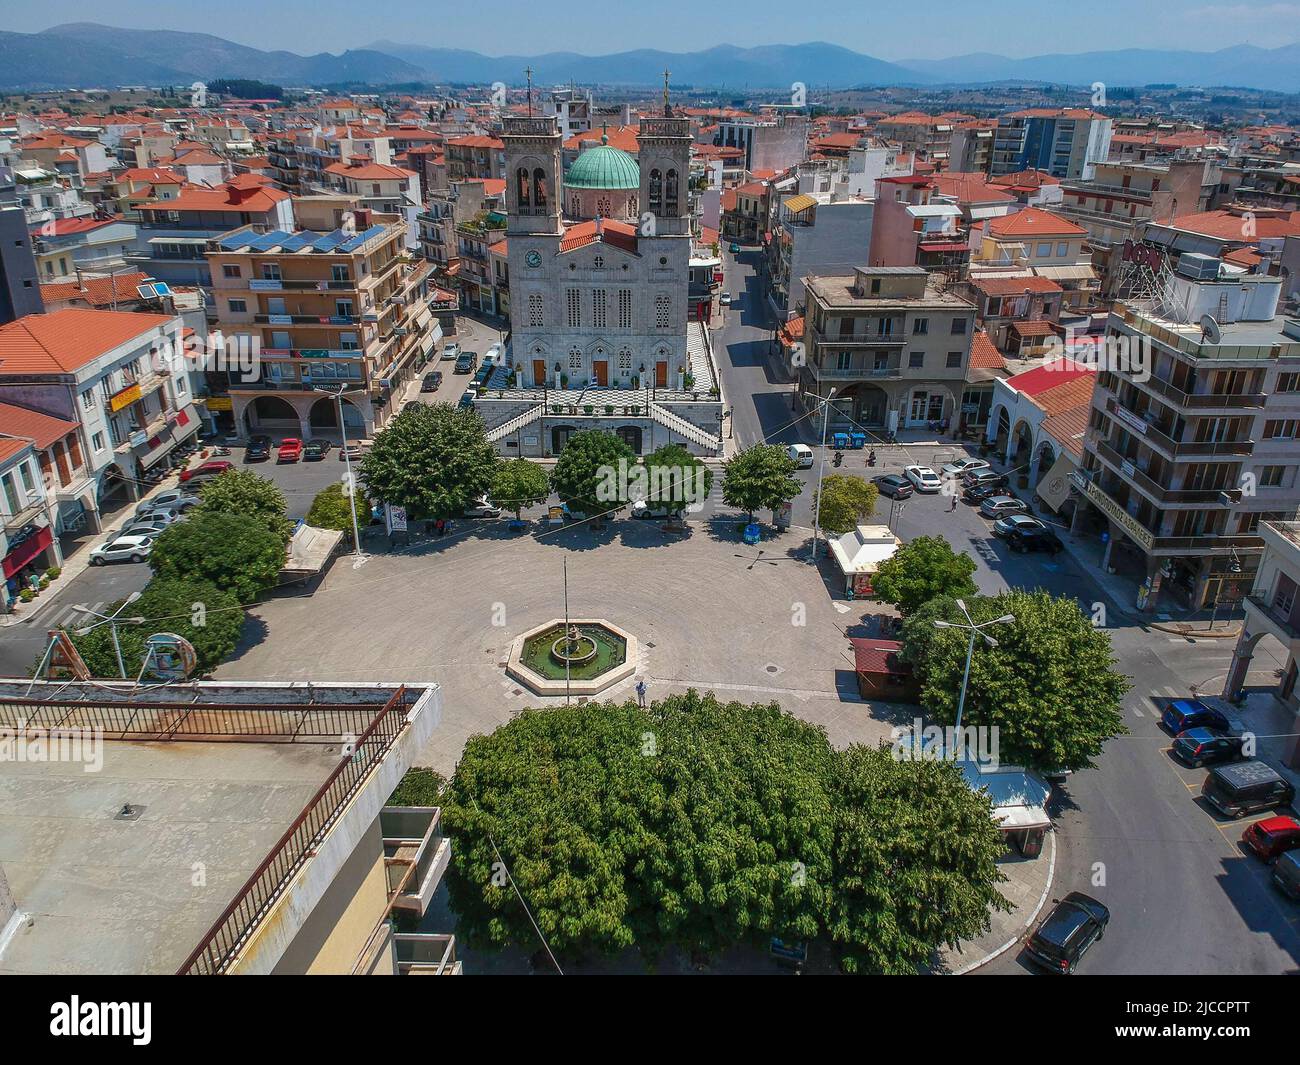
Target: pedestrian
[640,693]
[952,503]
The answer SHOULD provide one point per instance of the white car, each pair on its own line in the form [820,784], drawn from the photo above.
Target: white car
[482,508]
[123,549]
[962,467]
[923,478]
[725,299]
[183,499]
[451,351]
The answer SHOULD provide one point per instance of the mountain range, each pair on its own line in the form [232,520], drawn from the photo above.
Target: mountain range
[85,55]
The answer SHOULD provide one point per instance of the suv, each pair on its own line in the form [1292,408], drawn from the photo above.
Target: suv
[1183,714]
[122,549]
[465,362]
[1075,924]
[986,475]
[1241,788]
[997,506]
[172,497]
[316,450]
[894,485]
[258,450]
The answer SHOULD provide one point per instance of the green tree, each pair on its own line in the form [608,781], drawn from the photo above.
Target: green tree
[1049,686]
[245,492]
[518,483]
[233,551]
[760,476]
[587,473]
[844,502]
[433,459]
[421,786]
[916,855]
[207,616]
[330,509]
[924,569]
[676,478]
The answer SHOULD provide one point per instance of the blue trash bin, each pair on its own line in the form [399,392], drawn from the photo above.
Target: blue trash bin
[751,533]
[840,441]
[857,441]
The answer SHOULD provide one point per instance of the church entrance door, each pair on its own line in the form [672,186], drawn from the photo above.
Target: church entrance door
[661,375]
[602,373]
[539,373]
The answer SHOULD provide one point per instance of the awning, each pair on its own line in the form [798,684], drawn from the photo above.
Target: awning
[1032,329]
[795,204]
[179,240]
[27,550]
[1067,273]
[1054,488]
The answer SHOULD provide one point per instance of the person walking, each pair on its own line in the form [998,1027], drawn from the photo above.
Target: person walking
[952,504]
[640,693]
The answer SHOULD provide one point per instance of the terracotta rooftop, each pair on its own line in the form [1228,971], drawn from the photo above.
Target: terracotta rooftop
[44,429]
[1033,222]
[64,341]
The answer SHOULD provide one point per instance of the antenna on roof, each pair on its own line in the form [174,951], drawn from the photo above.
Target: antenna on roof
[528,73]
[668,107]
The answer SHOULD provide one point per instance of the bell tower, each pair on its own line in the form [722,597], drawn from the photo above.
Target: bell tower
[664,156]
[532,175]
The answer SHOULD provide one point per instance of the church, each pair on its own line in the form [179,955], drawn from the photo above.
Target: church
[599,269]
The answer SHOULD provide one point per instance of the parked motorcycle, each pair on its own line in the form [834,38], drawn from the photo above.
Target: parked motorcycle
[221,451]
[871,457]
[839,458]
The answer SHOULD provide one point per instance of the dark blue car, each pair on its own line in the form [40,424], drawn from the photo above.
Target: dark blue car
[1183,714]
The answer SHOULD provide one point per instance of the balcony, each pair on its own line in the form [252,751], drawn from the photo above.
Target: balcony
[1151,434]
[416,855]
[1260,614]
[426,955]
[306,319]
[853,373]
[25,516]
[1129,471]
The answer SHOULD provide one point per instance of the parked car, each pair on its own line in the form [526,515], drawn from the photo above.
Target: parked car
[923,478]
[962,467]
[432,381]
[734,248]
[979,478]
[894,485]
[465,362]
[215,468]
[725,299]
[466,401]
[1075,924]
[974,494]
[290,450]
[1206,746]
[316,450]
[166,513]
[1286,874]
[1183,714]
[483,508]
[996,506]
[1027,540]
[451,351]
[1272,837]
[1016,523]
[1241,788]
[351,451]
[802,455]
[145,528]
[122,549]
[162,499]
[258,450]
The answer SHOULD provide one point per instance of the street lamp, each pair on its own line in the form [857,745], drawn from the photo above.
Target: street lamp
[1234,567]
[112,620]
[821,467]
[338,394]
[974,630]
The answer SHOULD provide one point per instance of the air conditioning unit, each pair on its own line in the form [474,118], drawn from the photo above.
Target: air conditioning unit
[1198,267]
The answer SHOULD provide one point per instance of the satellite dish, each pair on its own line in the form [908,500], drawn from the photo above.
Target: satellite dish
[1210,329]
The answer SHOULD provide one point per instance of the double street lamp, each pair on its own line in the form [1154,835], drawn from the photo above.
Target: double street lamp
[112,620]
[974,630]
[338,394]
[821,467]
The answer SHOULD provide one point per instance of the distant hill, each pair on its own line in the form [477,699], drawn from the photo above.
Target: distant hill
[84,55]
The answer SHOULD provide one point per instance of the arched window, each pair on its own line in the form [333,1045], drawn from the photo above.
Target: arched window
[602,207]
[671,196]
[575,205]
[575,358]
[631,204]
[521,186]
[539,187]
[656,192]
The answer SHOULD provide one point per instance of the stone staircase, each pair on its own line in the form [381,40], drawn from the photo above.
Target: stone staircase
[515,424]
[682,427]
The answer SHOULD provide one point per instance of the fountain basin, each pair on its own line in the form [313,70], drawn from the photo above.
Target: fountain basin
[604,655]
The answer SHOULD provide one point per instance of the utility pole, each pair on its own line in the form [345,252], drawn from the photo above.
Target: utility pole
[821,467]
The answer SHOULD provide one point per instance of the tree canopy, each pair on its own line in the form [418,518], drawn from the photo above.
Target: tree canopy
[844,502]
[518,483]
[245,492]
[921,570]
[587,474]
[333,506]
[1050,686]
[233,551]
[760,476]
[675,478]
[433,459]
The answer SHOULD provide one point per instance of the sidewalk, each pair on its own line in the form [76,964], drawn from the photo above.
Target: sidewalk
[1029,883]
[1272,723]
[76,564]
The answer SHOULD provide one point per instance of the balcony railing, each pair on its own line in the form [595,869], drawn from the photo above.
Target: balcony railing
[1275,617]
[1128,468]
[416,855]
[426,955]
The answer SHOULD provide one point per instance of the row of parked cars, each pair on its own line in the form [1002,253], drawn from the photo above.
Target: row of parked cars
[134,543]
[290,449]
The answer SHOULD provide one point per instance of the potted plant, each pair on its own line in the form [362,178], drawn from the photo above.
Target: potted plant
[53,573]
[689,382]
[45,582]
[587,408]
[564,380]
[609,408]
[26,595]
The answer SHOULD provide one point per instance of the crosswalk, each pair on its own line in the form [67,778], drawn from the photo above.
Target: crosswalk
[72,615]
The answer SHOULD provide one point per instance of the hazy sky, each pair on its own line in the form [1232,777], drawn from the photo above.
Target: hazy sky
[888,30]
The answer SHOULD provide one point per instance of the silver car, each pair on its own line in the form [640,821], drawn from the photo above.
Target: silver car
[122,549]
[997,506]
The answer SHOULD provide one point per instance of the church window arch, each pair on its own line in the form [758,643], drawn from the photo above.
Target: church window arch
[539,187]
[521,186]
[656,192]
[671,193]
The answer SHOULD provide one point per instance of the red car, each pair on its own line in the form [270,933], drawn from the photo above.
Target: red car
[1272,836]
[290,450]
[207,469]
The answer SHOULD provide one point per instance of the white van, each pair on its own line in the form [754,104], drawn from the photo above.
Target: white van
[802,455]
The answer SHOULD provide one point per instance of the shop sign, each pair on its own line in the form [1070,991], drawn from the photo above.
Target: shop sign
[124,398]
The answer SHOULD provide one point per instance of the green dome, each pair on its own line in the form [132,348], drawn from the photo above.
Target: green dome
[603,167]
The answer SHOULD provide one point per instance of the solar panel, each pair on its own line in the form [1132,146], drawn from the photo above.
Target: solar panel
[330,241]
[361,238]
[269,240]
[296,241]
[235,241]
[147,292]
[160,288]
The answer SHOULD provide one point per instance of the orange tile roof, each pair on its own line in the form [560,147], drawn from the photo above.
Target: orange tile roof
[1074,394]
[475,142]
[64,341]
[96,291]
[983,355]
[9,447]
[44,429]
[970,188]
[62,227]
[369,171]
[1043,379]
[1229,225]
[1014,286]
[621,137]
[581,234]
[227,198]
[1033,222]
[1067,427]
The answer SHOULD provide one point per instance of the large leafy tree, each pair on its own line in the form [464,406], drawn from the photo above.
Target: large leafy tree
[844,502]
[518,483]
[233,551]
[433,459]
[587,474]
[760,476]
[915,858]
[924,569]
[676,478]
[1049,686]
[333,508]
[209,617]
[245,492]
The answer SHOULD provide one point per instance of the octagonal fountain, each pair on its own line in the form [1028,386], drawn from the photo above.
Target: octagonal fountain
[581,657]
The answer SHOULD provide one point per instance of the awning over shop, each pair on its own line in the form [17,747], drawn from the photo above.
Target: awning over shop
[27,550]
[1080,272]
[1054,488]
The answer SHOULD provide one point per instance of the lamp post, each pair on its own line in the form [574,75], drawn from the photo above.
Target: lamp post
[338,394]
[112,620]
[1234,566]
[821,467]
[974,630]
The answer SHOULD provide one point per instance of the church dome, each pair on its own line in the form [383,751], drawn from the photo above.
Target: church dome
[603,167]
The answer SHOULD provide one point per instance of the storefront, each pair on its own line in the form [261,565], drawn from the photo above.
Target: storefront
[30,553]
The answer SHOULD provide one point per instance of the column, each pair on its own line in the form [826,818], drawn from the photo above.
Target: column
[1241,656]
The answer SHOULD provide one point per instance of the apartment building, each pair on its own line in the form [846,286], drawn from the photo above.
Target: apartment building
[745,212]
[28,544]
[1192,442]
[382,189]
[815,235]
[1036,243]
[1272,608]
[119,376]
[971,150]
[475,156]
[326,309]
[20,290]
[770,143]
[1066,142]
[248,834]
[890,343]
